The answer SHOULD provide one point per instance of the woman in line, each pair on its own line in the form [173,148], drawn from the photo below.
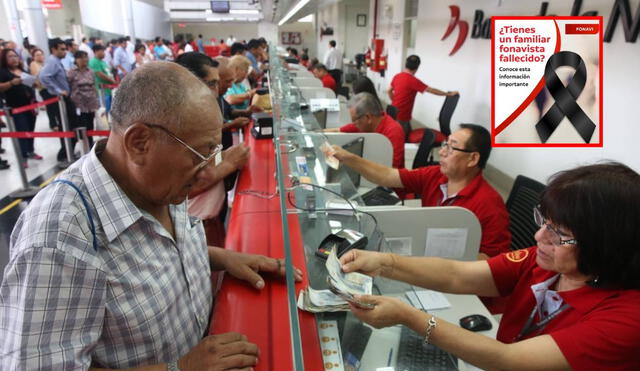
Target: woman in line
[83,91]
[17,94]
[584,271]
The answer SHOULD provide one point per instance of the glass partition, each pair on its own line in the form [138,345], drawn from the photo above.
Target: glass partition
[322,199]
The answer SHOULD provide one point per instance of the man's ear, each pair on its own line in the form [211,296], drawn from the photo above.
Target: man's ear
[474,159]
[137,141]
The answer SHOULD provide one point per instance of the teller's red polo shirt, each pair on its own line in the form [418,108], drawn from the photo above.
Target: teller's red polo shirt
[478,197]
[599,331]
[390,129]
[405,87]
[329,82]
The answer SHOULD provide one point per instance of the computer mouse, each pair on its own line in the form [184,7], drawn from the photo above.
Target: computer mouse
[475,322]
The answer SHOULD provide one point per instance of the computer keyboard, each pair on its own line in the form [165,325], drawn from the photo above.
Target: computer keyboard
[379,197]
[415,355]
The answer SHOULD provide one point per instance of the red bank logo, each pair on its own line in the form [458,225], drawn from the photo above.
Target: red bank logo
[463,28]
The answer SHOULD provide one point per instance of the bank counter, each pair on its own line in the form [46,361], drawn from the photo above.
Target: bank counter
[277,214]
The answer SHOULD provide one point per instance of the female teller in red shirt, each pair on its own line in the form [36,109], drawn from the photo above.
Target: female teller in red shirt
[574,298]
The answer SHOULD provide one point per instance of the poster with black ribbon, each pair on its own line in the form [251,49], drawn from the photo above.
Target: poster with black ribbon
[546,82]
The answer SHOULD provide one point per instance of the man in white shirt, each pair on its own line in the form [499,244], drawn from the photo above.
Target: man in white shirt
[130,48]
[333,57]
[86,48]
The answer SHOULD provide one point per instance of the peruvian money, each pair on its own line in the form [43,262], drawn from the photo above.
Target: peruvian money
[328,155]
[353,283]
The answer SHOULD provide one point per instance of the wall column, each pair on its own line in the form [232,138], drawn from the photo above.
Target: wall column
[36,26]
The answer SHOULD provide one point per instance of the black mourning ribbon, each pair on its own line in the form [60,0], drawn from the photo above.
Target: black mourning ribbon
[565,97]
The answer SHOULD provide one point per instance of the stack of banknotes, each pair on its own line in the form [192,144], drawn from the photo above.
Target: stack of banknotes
[316,301]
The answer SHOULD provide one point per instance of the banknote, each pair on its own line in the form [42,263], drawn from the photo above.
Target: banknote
[328,155]
[353,283]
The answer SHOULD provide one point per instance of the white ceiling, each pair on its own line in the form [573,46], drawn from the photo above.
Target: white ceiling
[268,10]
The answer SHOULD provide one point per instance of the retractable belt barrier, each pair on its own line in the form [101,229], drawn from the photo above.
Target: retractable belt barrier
[34,106]
[81,134]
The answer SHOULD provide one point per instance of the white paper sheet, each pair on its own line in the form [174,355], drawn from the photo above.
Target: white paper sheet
[446,242]
[331,105]
[428,300]
[27,79]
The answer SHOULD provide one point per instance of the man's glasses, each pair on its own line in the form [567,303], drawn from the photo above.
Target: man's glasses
[205,160]
[448,148]
[555,236]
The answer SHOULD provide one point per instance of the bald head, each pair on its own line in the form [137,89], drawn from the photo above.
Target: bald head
[227,75]
[161,93]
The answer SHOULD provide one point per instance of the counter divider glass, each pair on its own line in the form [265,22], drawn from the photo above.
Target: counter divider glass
[318,205]
[314,206]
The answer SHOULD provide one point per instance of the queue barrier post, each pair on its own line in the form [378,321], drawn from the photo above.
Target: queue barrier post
[27,190]
[81,134]
[68,147]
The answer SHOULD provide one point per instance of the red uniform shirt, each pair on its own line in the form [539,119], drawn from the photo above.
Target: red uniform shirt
[478,197]
[405,87]
[329,82]
[390,129]
[599,330]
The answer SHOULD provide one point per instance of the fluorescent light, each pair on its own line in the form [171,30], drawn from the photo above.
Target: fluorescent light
[307,19]
[293,11]
[245,11]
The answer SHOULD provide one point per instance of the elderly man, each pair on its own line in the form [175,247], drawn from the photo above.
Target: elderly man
[457,181]
[367,116]
[107,269]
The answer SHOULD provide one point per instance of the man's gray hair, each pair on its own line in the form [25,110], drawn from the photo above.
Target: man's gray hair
[365,103]
[156,93]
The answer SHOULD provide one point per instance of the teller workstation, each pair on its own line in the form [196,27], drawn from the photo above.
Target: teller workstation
[289,201]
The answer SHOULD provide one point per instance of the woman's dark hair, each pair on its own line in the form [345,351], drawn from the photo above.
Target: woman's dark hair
[80,54]
[237,47]
[364,84]
[34,50]
[4,59]
[600,205]
[196,63]
[139,47]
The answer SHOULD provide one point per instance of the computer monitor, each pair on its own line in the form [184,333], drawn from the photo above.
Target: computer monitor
[220,6]
[321,117]
[356,147]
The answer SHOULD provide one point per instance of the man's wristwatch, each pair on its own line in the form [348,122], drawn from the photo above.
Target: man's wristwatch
[173,366]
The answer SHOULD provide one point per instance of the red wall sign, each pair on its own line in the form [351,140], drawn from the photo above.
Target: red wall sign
[52,4]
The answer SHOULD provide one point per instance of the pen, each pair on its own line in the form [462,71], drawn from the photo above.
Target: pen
[390,355]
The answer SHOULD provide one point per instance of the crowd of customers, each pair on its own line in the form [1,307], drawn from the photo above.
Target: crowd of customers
[84,75]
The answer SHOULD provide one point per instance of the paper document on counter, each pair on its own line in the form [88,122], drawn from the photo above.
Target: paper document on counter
[446,242]
[428,300]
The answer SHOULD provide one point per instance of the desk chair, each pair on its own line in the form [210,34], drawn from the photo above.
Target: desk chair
[337,75]
[444,120]
[344,91]
[524,196]
[423,156]
[392,111]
